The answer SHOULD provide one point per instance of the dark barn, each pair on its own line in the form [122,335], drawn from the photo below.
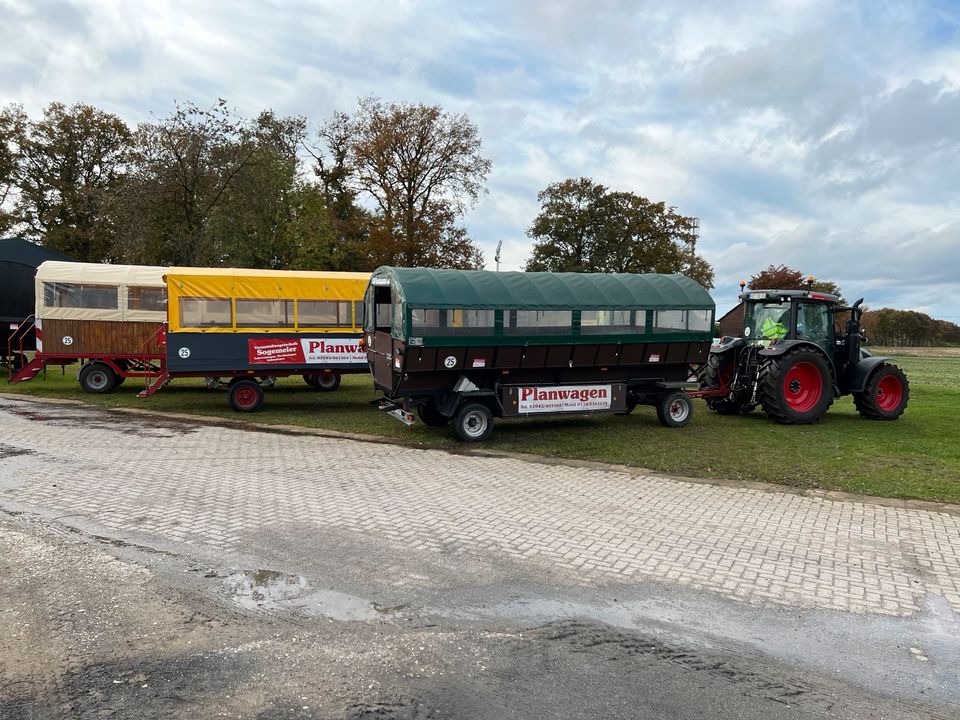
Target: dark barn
[19,260]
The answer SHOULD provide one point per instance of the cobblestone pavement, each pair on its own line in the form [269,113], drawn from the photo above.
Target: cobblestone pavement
[213,485]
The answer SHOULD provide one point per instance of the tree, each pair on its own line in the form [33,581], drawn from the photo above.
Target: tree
[584,227]
[67,166]
[781,277]
[422,167]
[211,188]
[12,123]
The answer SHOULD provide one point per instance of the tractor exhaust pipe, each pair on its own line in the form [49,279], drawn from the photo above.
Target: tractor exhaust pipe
[854,338]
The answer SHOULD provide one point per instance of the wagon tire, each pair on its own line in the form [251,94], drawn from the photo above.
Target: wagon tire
[796,388]
[885,395]
[675,409]
[430,416]
[327,382]
[245,395]
[473,423]
[310,380]
[97,378]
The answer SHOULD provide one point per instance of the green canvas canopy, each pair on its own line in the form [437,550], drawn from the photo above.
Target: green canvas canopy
[486,290]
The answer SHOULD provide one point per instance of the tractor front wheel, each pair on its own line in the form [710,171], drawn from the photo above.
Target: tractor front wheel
[716,373]
[795,389]
[886,394]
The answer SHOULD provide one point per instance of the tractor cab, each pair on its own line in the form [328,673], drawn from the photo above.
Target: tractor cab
[771,316]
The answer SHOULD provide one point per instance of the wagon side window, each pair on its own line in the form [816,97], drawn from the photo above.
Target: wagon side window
[612,322]
[538,322]
[324,313]
[205,312]
[264,313]
[78,295]
[146,298]
[699,320]
[681,320]
[457,321]
[425,321]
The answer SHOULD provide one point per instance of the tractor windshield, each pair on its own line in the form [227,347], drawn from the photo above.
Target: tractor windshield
[766,321]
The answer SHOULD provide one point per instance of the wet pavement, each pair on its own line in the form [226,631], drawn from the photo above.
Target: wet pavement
[162,568]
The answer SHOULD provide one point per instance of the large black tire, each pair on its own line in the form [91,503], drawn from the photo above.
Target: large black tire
[245,395]
[796,388]
[712,378]
[473,423]
[97,378]
[429,415]
[675,409]
[886,394]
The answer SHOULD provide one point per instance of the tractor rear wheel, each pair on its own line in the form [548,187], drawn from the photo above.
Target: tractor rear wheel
[795,388]
[886,394]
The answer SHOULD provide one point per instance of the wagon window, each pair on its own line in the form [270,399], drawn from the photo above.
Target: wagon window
[610,322]
[538,322]
[680,320]
[77,295]
[264,313]
[147,298]
[699,320]
[423,319]
[205,312]
[324,313]
[468,322]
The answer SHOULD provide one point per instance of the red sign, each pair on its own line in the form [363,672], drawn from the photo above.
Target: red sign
[269,352]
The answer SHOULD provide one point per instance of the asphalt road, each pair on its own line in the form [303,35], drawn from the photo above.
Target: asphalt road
[162,568]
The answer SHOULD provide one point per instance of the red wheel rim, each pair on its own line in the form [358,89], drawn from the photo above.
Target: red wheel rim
[802,387]
[889,393]
[246,397]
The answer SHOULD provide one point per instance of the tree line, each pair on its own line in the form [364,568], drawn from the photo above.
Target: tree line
[387,184]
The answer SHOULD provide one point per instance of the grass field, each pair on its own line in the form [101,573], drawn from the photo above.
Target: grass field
[915,457]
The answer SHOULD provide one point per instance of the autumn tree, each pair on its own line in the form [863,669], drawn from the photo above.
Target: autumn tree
[210,188]
[781,277]
[63,169]
[585,227]
[12,123]
[422,168]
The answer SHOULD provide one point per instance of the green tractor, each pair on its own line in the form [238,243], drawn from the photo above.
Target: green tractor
[798,350]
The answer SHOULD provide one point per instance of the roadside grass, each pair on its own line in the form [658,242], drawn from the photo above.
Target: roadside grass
[916,457]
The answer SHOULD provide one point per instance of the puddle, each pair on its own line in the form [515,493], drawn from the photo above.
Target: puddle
[266,590]
[77,417]
[8,451]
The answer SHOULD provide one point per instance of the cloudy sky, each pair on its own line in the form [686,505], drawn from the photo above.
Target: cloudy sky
[821,135]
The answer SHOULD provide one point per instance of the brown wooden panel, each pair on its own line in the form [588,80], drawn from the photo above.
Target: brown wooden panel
[99,337]
[508,357]
[421,358]
[633,354]
[480,357]
[444,355]
[584,355]
[608,355]
[559,355]
[677,352]
[698,352]
[534,356]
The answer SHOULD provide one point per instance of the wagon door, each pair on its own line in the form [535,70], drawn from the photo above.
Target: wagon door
[379,314]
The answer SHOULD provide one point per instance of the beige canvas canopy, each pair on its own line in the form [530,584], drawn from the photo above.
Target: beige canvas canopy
[97,291]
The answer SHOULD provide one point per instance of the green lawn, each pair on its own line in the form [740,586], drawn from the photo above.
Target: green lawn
[915,457]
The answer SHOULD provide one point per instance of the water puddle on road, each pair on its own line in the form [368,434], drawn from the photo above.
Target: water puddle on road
[7,451]
[95,419]
[266,590]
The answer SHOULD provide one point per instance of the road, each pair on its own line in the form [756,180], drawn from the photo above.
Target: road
[161,567]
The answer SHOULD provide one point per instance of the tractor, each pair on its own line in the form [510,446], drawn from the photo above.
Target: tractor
[798,350]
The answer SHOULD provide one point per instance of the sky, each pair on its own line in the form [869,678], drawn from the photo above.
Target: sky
[820,135]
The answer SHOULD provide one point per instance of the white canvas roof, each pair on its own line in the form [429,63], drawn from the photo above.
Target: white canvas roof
[100,273]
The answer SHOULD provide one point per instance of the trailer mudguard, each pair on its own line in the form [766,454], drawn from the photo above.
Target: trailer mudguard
[857,375]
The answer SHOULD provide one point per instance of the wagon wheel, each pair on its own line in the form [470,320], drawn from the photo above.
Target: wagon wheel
[245,395]
[97,378]
[675,409]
